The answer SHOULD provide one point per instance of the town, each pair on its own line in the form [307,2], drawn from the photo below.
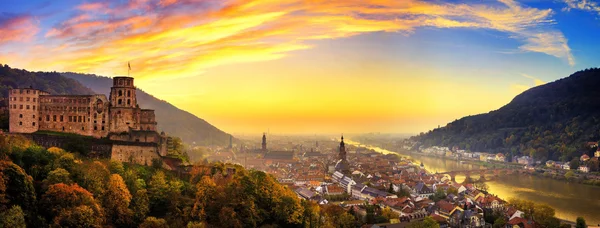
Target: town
[331,172]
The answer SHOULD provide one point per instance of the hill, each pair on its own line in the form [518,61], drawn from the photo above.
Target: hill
[551,121]
[170,119]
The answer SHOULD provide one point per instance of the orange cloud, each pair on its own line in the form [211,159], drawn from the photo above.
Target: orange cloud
[17,28]
[185,37]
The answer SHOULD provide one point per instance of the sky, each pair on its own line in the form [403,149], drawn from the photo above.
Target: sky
[312,66]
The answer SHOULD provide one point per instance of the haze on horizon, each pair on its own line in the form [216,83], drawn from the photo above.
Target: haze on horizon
[293,66]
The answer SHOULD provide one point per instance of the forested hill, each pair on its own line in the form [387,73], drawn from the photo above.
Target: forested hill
[551,121]
[170,118]
[51,82]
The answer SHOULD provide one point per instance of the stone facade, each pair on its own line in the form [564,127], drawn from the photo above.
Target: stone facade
[135,153]
[118,118]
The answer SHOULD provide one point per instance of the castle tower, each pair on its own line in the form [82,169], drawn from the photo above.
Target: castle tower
[122,93]
[342,153]
[24,110]
[264,142]
[124,111]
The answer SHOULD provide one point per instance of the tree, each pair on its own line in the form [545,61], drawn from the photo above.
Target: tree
[346,220]
[389,214]
[195,225]
[116,167]
[61,198]
[580,223]
[428,222]
[140,205]
[438,195]
[59,175]
[452,190]
[158,193]
[80,216]
[544,214]
[574,164]
[499,222]
[13,217]
[569,175]
[153,222]
[116,202]
[482,186]
[16,187]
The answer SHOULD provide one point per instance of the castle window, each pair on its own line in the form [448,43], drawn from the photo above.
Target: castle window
[120,93]
[103,128]
[40,119]
[20,123]
[20,106]
[34,107]
[27,91]
[128,93]
[33,124]
[33,116]
[20,115]
[70,119]
[61,118]
[54,118]
[27,107]
[79,119]
[27,99]
[95,128]
[34,99]
[83,128]
[128,102]
[47,117]
[119,102]
[63,128]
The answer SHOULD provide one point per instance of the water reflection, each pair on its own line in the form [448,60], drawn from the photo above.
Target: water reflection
[568,199]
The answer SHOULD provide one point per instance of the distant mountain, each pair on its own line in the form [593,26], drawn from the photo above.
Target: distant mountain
[51,82]
[171,119]
[551,121]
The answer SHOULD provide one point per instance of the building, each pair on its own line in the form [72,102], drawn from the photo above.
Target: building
[118,118]
[264,143]
[584,169]
[342,165]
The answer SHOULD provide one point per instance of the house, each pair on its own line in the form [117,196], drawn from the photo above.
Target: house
[597,154]
[566,166]
[422,190]
[500,157]
[584,169]
[550,164]
[525,160]
[334,189]
[518,222]
[306,193]
[584,158]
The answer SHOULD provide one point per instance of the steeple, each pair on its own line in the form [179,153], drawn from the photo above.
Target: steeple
[342,153]
[264,142]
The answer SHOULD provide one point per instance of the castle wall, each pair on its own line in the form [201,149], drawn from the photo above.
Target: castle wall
[23,109]
[123,119]
[97,148]
[80,114]
[138,154]
[147,120]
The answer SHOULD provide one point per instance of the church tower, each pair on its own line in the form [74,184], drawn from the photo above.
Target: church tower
[342,165]
[264,142]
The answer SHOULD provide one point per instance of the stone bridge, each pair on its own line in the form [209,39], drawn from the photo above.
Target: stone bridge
[483,173]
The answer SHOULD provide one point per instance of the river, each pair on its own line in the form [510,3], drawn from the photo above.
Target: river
[570,200]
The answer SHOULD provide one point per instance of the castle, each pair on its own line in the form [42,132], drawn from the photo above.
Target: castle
[119,118]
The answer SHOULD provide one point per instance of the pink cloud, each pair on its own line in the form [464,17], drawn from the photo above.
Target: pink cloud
[17,28]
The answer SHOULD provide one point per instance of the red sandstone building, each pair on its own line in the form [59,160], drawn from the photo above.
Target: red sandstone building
[118,118]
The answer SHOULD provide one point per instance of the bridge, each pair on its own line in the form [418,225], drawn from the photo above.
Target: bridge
[483,173]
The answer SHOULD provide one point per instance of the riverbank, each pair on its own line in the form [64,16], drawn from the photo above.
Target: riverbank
[569,199]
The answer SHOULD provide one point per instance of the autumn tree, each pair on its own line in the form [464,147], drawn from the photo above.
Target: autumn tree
[389,213]
[61,201]
[428,222]
[79,216]
[16,187]
[59,175]
[116,201]
[13,217]
[580,223]
[153,222]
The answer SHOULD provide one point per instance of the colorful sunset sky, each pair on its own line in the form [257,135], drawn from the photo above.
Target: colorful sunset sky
[312,66]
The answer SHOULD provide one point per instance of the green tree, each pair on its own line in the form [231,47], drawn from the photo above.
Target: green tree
[499,222]
[544,214]
[16,187]
[580,223]
[389,214]
[569,175]
[13,217]
[116,167]
[153,222]
[59,175]
[346,220]
[158,193]
[140,205]
[428,222]
[574,164]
